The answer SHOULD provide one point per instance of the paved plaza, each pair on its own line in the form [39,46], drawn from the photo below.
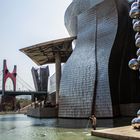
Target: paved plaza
[118,133]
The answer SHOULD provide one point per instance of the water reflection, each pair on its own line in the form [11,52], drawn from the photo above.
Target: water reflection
[21,127]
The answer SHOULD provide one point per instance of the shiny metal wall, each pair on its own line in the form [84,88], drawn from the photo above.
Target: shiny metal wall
[40,78]
[44,75]
[124,83]
[35,79]
[75,9]
[95,24]
[52,84]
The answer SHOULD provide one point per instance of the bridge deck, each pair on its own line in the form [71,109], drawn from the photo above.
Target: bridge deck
[16,93]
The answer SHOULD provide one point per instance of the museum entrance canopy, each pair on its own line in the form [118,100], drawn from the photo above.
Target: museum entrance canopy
[44,53]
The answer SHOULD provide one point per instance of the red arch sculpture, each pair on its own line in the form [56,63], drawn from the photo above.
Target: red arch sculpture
[7,74]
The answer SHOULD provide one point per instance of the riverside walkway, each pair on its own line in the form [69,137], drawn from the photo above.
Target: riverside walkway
[118,133]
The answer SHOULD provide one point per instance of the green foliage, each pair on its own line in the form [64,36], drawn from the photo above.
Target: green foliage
[23,102]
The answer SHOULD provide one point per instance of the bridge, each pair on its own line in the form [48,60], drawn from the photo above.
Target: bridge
[8,94]
[23,89]
[17,93]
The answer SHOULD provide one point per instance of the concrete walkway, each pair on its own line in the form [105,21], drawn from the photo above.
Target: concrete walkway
[118,133]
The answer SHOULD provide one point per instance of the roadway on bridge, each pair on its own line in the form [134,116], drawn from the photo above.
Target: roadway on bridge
[16,93]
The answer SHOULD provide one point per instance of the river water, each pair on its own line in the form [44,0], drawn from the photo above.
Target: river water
[21,127]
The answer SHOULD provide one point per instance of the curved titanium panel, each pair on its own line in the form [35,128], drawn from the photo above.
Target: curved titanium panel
[76,8]
[107,24]
[96,30]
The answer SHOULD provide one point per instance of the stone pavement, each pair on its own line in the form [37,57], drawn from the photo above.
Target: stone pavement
[118,133]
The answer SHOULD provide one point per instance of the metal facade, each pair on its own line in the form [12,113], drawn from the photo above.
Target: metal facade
[96,78]
[96,31]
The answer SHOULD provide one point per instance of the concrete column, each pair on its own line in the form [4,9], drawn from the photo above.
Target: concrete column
[58,75]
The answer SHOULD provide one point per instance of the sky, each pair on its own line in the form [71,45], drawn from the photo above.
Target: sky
[28,22]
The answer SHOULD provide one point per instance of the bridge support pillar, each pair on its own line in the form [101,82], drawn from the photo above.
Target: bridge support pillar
[58,75]
[6,75]
[8,102]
